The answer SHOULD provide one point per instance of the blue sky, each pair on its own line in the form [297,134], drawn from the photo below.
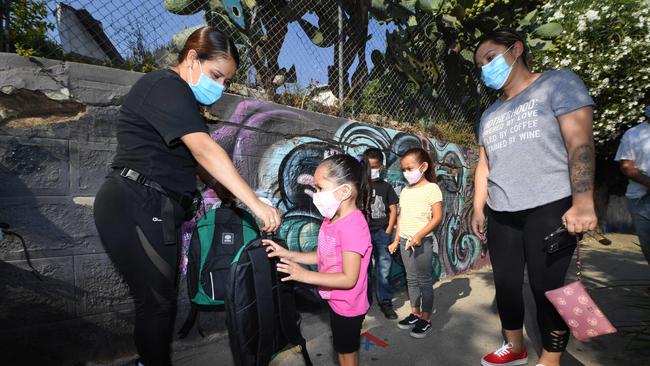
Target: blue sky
[119,17]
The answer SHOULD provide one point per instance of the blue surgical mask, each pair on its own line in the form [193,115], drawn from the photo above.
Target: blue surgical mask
[496,73]
[206,91]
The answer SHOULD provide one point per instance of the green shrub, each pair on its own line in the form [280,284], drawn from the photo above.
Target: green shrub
[606,43]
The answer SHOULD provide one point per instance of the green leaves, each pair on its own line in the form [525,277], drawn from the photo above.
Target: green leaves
[183,7]
[29,27]
[528,19]
[548,30]
[430,6]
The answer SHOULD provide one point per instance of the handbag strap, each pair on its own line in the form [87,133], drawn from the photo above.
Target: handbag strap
[578,262]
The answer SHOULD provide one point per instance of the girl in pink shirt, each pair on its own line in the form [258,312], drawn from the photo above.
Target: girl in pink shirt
[344,250]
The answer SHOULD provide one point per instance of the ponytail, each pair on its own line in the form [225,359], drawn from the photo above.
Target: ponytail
[345,169]
[421,156]
[365,187]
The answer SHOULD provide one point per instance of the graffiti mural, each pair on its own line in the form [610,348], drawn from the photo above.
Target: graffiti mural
[277,150]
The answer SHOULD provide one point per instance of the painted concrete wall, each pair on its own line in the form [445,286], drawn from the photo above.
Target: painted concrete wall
[278,149]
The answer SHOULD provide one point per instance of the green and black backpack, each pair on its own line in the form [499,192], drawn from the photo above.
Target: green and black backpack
[217,238]
[260,309]
[228,265]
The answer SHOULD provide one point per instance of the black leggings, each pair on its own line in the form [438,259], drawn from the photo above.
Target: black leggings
[516,240]
[127,216]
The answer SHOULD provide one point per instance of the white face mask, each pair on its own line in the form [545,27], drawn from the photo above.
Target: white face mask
[326,202]
[413,176]
[375,174]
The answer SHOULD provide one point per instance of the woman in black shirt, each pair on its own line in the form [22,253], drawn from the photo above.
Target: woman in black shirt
[162,139]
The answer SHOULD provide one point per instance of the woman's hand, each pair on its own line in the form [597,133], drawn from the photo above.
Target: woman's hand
[275,250]
[478,225]
[392,248]
[269,215]
[295,271]
[580,219]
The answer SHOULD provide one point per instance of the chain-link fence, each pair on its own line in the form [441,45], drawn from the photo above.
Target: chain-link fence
[357,58]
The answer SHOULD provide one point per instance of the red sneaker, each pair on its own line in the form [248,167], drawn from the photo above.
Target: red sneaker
[505,357]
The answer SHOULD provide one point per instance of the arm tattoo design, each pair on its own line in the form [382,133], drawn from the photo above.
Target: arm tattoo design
[582,167]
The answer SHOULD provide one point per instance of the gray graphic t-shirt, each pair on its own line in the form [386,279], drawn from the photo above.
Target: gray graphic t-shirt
[527,157]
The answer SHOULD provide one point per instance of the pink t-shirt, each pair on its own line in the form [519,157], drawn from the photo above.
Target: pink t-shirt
[348,234]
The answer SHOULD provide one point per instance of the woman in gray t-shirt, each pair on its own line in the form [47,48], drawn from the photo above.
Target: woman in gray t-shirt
[535,172]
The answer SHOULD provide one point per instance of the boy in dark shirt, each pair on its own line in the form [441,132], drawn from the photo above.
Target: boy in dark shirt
[382,221]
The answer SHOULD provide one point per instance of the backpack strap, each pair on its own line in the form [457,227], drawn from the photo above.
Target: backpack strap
[289,316]
[305,354]
[189,322]
[290,320]
[265,307]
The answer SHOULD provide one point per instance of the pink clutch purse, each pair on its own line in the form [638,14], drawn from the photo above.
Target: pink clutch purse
[579,310]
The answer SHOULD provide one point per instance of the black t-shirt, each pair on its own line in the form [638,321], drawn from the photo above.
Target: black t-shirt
[383,195]
[158,110]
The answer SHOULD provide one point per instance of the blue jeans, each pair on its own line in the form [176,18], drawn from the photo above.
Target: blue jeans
[381,270]
[640,210]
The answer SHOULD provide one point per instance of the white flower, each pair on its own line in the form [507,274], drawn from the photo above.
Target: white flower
[582,25]
[557,15]
[592,15]
[564,62]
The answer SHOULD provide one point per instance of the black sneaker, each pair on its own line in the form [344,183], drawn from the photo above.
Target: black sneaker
[388,311]
[421,329]
[408,322]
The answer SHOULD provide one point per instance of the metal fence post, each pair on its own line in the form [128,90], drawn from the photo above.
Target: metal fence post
[8,45]
[4,25]
[340,60]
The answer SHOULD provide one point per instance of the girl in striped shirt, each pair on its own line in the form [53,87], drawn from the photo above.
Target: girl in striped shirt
[420,213]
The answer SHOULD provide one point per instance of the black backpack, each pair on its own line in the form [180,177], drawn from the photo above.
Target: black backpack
[217,237]
[261,311]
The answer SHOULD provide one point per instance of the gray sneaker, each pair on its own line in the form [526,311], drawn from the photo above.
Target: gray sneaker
[421,329]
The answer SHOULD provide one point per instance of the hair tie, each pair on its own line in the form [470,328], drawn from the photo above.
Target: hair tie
[359,158]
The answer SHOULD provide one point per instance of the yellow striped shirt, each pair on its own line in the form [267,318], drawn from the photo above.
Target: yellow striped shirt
[415,208]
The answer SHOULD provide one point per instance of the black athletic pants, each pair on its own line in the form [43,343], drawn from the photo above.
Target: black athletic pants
[128,218]
[515,241]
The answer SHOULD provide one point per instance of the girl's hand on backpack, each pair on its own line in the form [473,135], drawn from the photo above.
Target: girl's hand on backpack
[295,271]
[392,248]
[274,249]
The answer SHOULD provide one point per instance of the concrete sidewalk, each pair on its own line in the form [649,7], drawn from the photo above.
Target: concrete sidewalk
[466,325]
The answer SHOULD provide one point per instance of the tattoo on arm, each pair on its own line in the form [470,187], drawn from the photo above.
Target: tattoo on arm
[582,166]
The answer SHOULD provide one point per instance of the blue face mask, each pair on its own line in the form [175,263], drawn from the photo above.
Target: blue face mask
[496,73]
[206,91]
